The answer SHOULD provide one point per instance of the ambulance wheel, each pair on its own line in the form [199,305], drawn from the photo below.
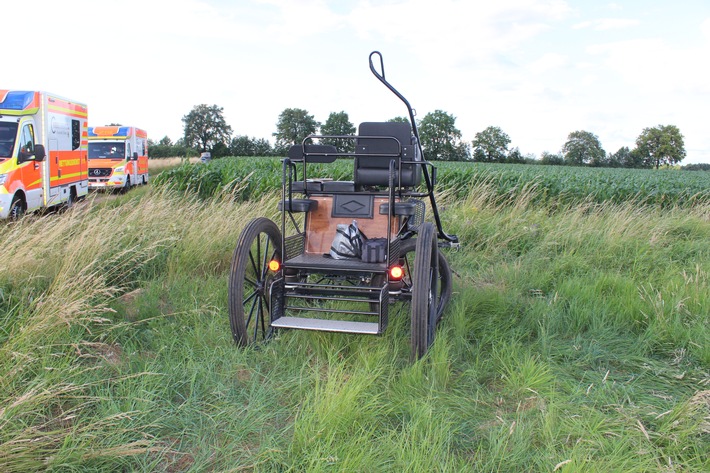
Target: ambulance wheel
[17,208]
[71,200]
[128,184]
[250,280]
[424,291]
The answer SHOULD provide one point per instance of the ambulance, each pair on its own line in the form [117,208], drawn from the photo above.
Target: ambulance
[43,144]
[118,157]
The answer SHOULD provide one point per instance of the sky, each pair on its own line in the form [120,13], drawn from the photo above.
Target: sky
[537,69]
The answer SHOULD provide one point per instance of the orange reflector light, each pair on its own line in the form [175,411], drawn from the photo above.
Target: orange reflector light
[274,265]
[396,272]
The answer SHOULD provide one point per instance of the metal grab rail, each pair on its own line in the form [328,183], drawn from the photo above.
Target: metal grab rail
[428,179]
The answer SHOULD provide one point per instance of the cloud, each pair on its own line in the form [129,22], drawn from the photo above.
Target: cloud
[456,30]
[548,62]
[705,29]
[604,24]
[655,66]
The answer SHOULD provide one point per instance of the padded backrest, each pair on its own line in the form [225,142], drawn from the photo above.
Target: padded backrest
[313,153]
[375,154]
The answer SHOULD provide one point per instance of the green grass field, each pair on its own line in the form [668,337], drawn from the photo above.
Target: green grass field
[577,339]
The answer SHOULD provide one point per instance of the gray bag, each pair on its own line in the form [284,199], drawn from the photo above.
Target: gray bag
[347,243]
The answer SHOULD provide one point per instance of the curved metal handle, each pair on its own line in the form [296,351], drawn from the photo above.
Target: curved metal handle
[427,178]
[379,75]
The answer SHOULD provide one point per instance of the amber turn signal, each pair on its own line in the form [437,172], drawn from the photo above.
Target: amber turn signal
[396,272]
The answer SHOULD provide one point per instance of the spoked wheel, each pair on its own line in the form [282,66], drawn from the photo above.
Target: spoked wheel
[424,291]
[250,280]
[407,259]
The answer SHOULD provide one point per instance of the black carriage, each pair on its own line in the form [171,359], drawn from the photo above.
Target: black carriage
[289,276]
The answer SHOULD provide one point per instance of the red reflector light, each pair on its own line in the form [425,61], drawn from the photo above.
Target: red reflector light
[274,265]
[396,272]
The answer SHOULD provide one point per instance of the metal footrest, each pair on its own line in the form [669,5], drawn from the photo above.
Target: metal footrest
[335,306]
[332,292]
[344,326]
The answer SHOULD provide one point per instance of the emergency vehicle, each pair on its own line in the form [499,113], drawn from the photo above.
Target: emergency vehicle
[118,157]
[43,160]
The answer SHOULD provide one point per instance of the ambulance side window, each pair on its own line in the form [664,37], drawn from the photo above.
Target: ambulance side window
[27,143]
[129,154]
[75,134]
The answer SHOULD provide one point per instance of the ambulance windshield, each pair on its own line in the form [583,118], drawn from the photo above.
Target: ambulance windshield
[106,150]
[8,132]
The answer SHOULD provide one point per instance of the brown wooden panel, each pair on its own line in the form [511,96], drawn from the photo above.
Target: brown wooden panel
[320,226]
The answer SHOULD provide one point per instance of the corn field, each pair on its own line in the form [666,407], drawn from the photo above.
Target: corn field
[249,178]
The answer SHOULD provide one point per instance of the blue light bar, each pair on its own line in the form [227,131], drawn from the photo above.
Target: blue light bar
[17,100]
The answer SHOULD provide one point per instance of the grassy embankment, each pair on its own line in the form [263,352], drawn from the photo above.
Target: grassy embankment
[577,340]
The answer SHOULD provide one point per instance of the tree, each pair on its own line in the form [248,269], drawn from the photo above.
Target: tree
[220,150]
[262,147]
[627,158]
[620,158]
[440,137]
[697,167]
[241,145]
[583,147]
[661,145]
[551,159]
[245,146]
[293,126]
[338,124]
[166,149]
[399,120]
[491,145]
[515,156]
[205,127]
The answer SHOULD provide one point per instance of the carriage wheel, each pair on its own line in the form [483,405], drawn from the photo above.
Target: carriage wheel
[424,291]
[445,277]
[250,280]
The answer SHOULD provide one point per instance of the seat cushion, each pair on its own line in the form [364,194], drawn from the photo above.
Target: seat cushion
[400,208]
[338,186]
[310,186]
[298,205]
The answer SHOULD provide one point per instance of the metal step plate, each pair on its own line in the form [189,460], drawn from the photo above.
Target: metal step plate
[301,323]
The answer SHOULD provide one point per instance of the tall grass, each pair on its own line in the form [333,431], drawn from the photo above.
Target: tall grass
[576,340]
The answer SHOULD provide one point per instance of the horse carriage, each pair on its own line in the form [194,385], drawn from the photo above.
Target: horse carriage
[344,251]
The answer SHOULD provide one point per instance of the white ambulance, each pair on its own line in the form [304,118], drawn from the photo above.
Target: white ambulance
[118,157]
[43,162]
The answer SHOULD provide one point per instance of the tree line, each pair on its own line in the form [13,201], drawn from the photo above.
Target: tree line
[205,129]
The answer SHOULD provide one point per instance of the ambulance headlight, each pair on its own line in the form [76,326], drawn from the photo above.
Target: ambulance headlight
[3,178]
[118,169]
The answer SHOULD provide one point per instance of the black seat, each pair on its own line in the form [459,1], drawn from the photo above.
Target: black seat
[317,154]
[377,145]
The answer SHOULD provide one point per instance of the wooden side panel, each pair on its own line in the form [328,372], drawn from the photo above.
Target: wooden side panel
[320,226]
